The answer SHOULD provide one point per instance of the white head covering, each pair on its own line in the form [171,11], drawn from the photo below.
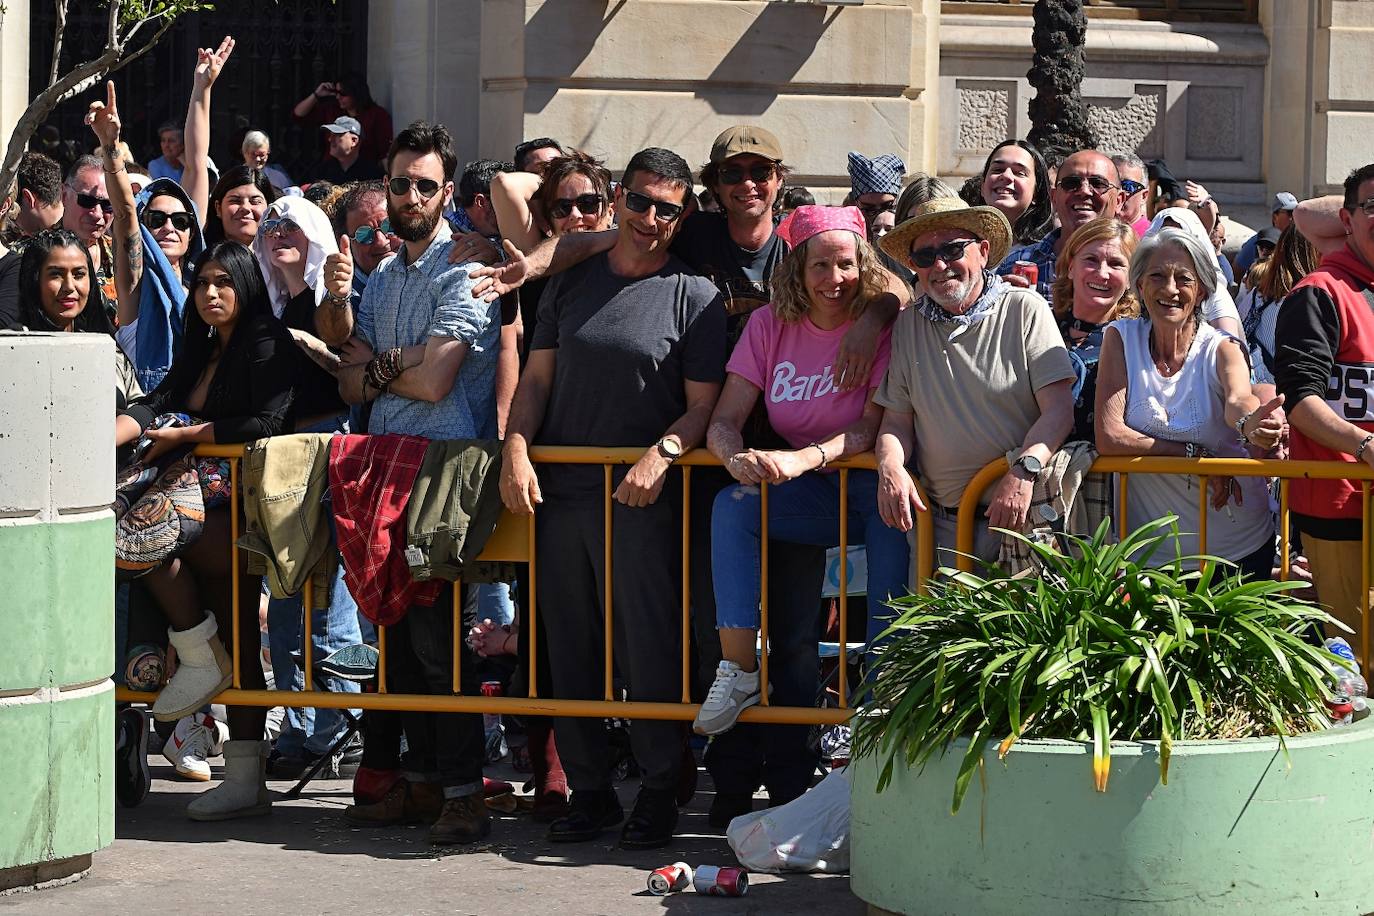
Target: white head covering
[1219,304]
[318,232]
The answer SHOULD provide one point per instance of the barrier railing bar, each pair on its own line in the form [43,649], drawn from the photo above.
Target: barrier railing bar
[763,594]
[513,706]
[531,628]
[237,680]
[686,583]
[458,637]
[1121,531]
[381,659]
[1284,543]
[843,676]
[609,624]
[1202,514]
[308,600]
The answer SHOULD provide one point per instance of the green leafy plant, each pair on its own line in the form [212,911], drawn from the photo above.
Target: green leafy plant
[1098,646]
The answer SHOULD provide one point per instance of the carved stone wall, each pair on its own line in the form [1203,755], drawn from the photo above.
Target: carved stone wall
[1189,93]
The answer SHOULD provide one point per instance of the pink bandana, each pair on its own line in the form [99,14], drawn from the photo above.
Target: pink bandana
[804,222]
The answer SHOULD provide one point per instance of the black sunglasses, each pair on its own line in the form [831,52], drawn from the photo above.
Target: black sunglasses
[364,235]
[733,174]
[1131,187]
[1072,184]
[585,204]
[887,206]
[948,252]
[87,201]
[664,212]
[156,219]
[400,186]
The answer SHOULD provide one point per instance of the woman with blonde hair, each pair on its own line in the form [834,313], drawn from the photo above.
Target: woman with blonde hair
[1091,288]
[786,354]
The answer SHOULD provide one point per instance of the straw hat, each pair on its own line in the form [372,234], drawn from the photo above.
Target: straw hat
[987,223]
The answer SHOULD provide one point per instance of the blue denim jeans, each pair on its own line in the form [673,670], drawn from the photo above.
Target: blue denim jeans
[312,731]
[804,511]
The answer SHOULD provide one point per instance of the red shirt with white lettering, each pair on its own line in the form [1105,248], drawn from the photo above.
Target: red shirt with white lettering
[792,364]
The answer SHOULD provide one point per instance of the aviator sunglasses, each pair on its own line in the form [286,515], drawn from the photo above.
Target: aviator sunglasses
[400,186]
[364,235]
[1073,183]
[276,228]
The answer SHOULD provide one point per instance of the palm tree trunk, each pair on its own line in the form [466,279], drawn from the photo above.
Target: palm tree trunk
[1059,120]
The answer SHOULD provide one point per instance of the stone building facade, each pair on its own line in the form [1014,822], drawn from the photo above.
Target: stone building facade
[1247,96]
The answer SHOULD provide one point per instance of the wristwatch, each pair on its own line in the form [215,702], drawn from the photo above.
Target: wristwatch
[670,449]
[1030,464]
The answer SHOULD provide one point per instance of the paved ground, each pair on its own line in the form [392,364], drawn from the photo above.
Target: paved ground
[304,859]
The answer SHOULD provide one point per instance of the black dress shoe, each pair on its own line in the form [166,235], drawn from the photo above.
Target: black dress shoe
[590,812]
[653,821]
[727,806]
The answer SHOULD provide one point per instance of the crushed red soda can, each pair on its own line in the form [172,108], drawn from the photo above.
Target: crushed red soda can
[491,688]
[718,881]
[670,879]
[1027,269]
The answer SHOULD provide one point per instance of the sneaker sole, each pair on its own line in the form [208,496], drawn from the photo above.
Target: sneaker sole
[174,715]
[191,775]
[720,728]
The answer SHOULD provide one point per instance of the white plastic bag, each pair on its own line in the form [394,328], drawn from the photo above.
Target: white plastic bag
[806,835]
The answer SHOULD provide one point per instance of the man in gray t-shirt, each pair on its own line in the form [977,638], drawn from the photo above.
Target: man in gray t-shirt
[628,350]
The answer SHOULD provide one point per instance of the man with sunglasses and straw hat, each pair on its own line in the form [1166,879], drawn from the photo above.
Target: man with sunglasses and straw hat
[974,355]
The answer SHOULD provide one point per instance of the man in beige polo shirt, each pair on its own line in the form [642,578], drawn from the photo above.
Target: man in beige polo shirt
[978,370]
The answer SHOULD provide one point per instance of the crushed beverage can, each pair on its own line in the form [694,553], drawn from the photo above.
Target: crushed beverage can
[491,689]
[721,881]
[1027,269]
[670,879]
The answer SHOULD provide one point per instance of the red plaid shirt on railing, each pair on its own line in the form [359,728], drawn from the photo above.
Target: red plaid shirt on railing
[370,480]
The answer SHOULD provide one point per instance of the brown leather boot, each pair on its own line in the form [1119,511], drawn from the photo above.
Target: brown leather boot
[405,803]
[462,820]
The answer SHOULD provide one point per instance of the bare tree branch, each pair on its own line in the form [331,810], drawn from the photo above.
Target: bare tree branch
[60,9]
[112,26]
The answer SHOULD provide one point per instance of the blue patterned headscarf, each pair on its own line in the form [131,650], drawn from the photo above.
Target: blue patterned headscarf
[879,175]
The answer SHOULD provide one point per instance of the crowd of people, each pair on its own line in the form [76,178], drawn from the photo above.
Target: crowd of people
[391,336]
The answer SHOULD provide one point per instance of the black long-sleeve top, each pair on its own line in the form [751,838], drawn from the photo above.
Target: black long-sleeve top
[317,392]
[252,393]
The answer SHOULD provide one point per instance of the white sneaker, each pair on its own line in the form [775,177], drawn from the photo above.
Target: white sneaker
[195,739]
[733,691]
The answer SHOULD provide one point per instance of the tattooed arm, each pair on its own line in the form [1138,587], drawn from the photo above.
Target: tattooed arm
[128,241]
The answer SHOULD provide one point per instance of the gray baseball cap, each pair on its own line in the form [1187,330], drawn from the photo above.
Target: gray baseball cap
[346,125]
[1284,201]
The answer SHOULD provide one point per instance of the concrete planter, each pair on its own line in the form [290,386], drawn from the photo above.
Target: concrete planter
[1235,830]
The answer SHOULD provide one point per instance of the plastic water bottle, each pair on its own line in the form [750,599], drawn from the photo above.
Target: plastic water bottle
[1349,682]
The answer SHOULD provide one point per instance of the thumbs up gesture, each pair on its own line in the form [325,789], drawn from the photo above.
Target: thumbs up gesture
[1264,425]
[338,272]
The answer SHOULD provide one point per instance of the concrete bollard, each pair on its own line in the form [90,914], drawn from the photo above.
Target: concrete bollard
[56,605]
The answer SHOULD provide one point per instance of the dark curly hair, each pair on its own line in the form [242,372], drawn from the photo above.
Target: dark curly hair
[1034,224]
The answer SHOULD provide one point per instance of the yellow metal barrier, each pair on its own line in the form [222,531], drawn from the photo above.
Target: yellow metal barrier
[514,541]
[1202,468]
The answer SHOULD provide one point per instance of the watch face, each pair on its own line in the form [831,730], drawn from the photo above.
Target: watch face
[669,448]
[1031,463]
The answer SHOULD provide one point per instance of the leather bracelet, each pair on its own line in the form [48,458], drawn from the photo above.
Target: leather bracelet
[338,302]
[1364,444]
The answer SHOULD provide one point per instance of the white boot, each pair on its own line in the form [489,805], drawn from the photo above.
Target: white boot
[242,792]
[203,670]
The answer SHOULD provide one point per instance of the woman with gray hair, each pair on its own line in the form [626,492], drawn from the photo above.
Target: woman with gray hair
[1170,384]
[256,150]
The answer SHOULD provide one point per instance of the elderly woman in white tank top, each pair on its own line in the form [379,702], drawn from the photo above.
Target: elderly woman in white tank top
[1170,384]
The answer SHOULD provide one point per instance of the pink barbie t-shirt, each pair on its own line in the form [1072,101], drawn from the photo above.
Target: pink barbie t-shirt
[792,363]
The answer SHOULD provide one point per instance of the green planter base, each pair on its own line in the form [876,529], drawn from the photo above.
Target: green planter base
[1235,830]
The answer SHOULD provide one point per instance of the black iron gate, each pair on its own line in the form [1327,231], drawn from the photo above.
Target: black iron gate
[283,50]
